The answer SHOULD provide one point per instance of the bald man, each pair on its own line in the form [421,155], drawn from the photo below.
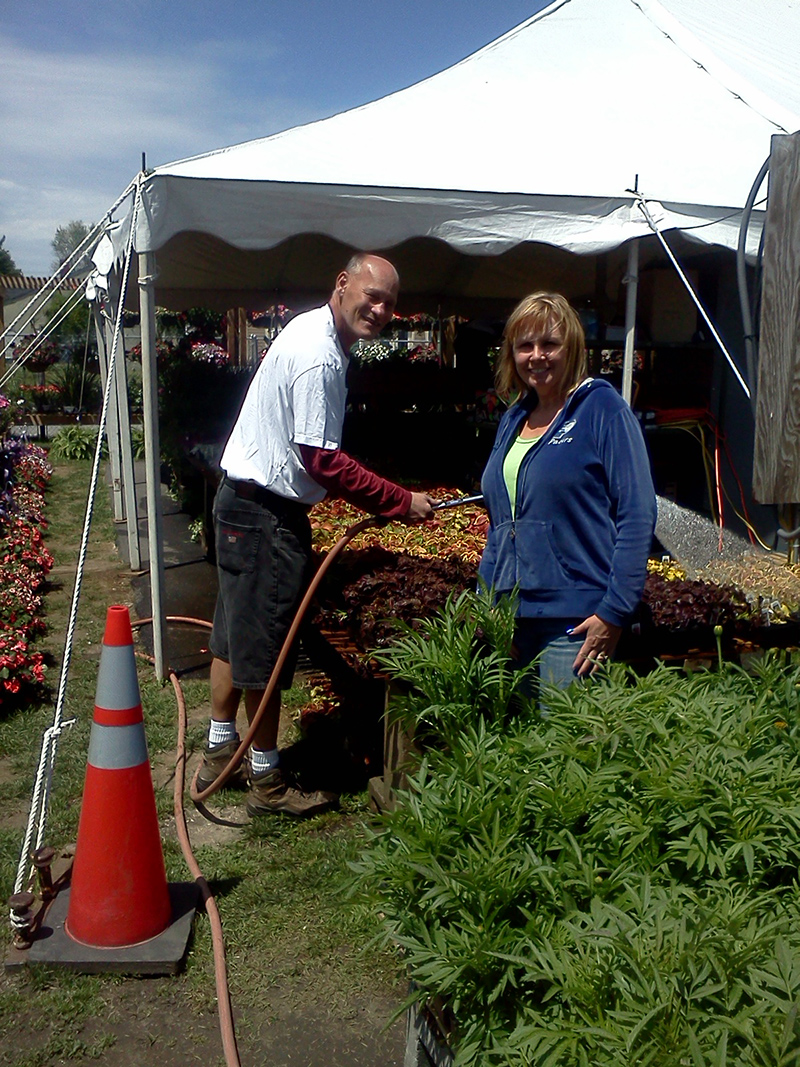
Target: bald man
[284,455]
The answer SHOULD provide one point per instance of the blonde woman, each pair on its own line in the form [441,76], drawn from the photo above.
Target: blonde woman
[569,493]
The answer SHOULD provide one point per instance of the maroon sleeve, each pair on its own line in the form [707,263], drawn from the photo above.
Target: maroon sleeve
[341,475]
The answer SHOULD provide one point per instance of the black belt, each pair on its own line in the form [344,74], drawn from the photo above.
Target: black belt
[260,495]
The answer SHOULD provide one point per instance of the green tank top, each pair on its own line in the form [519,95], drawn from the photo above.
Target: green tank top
[520,447]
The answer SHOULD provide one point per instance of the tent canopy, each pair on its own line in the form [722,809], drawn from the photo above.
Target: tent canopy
[499,170]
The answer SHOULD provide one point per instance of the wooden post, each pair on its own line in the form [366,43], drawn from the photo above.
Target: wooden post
[776,463]
[230,334]
[242,348]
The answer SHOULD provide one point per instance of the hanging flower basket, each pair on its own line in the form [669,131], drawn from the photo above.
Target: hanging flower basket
[41,356]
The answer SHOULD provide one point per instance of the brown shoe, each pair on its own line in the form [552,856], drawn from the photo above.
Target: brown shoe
[215,759]
[270,793]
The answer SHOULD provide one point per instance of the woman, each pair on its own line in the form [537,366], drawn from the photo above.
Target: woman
[569,494]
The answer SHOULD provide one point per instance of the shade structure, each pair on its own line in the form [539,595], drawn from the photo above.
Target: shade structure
[521,157]
[509,171]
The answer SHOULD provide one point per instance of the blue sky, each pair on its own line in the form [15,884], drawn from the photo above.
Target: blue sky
[86,88]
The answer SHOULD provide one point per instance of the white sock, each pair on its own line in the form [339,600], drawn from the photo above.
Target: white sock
[262,760]
[219,733]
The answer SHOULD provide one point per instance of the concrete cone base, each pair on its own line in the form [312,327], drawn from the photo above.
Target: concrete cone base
[163,954]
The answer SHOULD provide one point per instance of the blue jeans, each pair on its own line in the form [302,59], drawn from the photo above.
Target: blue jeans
[548,638]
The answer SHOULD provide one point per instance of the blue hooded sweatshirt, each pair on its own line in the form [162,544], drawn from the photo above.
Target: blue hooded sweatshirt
[585,510]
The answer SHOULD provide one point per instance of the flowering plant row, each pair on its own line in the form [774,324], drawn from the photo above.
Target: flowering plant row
[24,565]
[209,352]
[42,391]
[458,531]
[393,571]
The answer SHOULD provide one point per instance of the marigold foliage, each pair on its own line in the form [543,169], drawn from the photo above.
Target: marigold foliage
[612,882]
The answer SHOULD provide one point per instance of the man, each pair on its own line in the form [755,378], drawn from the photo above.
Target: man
[282,456]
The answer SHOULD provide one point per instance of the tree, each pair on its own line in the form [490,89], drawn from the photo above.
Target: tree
[7,264]
[66,240]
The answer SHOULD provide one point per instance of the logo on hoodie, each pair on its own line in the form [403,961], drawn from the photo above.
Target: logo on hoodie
[560,436]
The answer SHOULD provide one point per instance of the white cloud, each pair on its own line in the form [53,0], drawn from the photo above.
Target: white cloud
[75,126]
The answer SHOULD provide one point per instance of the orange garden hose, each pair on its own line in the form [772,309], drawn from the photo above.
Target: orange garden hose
[227,1030]
[224,1007]
[236,758]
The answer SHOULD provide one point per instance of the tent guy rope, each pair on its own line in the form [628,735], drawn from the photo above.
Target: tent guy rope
[642,205]
[36,303]
[37,817]
[37,341]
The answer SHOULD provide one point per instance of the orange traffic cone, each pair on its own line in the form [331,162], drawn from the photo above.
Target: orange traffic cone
[119,894]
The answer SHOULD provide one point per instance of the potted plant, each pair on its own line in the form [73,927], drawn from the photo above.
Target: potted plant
[42,354]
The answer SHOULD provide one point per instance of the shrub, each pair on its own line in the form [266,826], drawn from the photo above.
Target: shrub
[457,665]
[75,442]
[614,883]
[6,416]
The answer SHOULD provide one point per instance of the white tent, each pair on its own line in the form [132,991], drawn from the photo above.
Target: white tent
[537,138]
[510,170]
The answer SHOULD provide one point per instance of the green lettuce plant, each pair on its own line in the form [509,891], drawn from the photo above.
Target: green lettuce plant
[613,884]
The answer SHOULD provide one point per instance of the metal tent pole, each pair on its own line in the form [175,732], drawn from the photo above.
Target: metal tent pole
[155,537]
[122,409]
[631,279]
[104,341]
[128,472]
[126,445]
[128,476]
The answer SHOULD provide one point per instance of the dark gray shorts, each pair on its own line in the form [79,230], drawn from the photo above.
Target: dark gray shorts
[263,569]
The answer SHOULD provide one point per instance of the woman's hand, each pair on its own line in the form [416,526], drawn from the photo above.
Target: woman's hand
[600,640]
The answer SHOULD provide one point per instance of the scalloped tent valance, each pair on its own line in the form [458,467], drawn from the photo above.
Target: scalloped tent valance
[535,143]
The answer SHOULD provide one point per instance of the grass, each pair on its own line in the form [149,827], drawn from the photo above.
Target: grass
[279,886]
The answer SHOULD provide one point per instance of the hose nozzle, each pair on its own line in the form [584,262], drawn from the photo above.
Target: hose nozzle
[458,503]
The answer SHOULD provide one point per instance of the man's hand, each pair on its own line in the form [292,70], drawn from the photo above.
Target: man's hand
[600,640]
[421,508]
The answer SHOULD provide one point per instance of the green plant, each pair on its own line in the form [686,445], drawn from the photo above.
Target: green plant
[137,442]
[75,442]
[457,666]
[614,883]
[79,389]
[197,529]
